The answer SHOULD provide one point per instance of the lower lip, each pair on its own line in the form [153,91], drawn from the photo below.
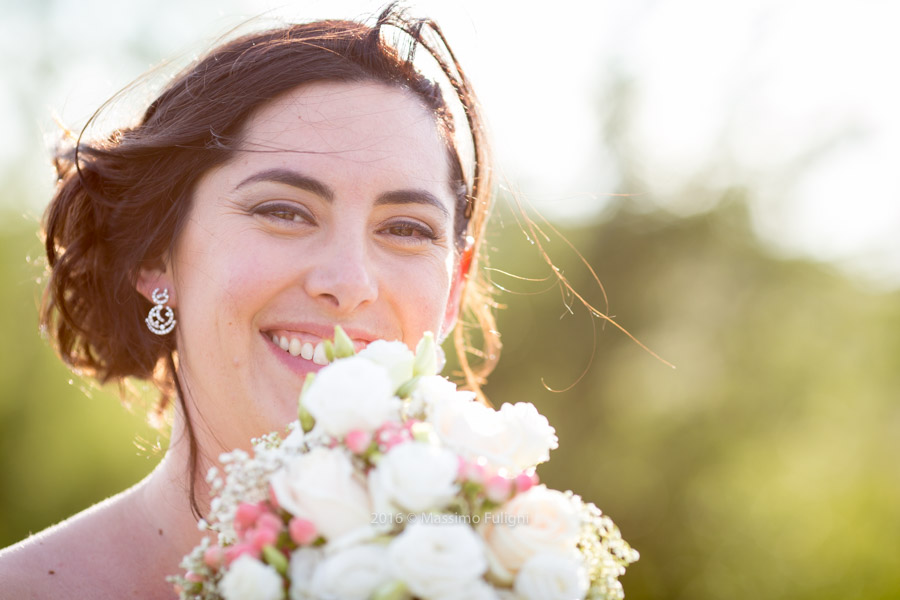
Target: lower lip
[297,364]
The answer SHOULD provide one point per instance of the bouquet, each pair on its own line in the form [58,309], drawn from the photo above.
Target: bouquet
[392,484]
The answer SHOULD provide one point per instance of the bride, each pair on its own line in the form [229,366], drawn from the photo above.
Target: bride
[289,181]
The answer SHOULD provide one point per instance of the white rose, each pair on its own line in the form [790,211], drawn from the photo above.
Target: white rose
[294,440]
[436,386]
[477,589]
[351,574]
[471,429]
[414,477]
[395,357]
[323,487]
[436,560]
[351,393]
[552,576]
[250,579]
[360,535]
[431,389]
[539,520]
[515,438]
[530,434]
[303,564]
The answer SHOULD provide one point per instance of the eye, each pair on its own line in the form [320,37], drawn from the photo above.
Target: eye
[410,232]
[284,213]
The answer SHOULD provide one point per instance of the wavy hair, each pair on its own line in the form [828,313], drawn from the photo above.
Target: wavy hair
[122,200]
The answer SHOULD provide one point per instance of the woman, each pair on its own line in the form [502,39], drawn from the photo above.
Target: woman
[288,182]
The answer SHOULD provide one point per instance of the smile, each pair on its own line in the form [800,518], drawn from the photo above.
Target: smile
[308,349]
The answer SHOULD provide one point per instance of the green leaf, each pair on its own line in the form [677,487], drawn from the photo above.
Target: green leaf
[426,357]
[407,388]
[392,590]
[343,345]
[275,558]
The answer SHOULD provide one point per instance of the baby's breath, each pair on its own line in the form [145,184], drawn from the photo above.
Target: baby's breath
[244,477]
[246,480]
[605,553]
[207,589]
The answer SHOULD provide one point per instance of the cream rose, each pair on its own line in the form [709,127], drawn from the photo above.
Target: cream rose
[437,561]
[352,573]
[250,579]
[352,393]
[551,576]
[539,520]
[394,357]
[414,477]
[321,486]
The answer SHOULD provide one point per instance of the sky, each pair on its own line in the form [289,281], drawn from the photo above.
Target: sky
[796,100]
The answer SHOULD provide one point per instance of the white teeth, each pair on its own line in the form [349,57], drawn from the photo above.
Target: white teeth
[319,354]
[306,350]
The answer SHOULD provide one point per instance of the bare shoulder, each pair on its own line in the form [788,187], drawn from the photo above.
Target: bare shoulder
[32,569]
[56,562]
[77,558]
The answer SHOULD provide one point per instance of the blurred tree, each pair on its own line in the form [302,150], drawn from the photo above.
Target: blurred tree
[64,444]
[764,465]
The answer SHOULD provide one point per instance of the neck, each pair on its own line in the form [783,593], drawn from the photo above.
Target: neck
[163,499]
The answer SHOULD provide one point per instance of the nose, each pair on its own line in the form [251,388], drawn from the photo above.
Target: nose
[340,275]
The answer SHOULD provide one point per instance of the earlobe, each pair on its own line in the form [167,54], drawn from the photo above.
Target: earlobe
[150,279]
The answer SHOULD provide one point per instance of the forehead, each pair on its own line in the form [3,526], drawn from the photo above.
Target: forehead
[366,124]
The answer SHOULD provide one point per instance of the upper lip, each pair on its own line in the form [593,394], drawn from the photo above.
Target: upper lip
[321,331]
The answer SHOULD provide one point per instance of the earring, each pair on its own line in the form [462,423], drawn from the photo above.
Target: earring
[161,319]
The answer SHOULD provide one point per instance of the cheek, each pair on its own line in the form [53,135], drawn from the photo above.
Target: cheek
[223,296]
[247,281]
[221,285]
[424,302]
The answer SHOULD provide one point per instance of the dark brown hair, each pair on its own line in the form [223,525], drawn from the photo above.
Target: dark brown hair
[122,200]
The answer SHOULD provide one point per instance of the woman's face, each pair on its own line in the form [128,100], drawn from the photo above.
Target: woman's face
[336,211]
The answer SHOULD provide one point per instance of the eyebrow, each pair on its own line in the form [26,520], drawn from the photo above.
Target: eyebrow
[291,178]
[304,182]
[412,197]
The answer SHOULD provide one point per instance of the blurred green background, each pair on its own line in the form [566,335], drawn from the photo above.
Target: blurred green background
[763,466]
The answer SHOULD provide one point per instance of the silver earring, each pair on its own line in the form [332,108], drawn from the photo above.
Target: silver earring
[161,319]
